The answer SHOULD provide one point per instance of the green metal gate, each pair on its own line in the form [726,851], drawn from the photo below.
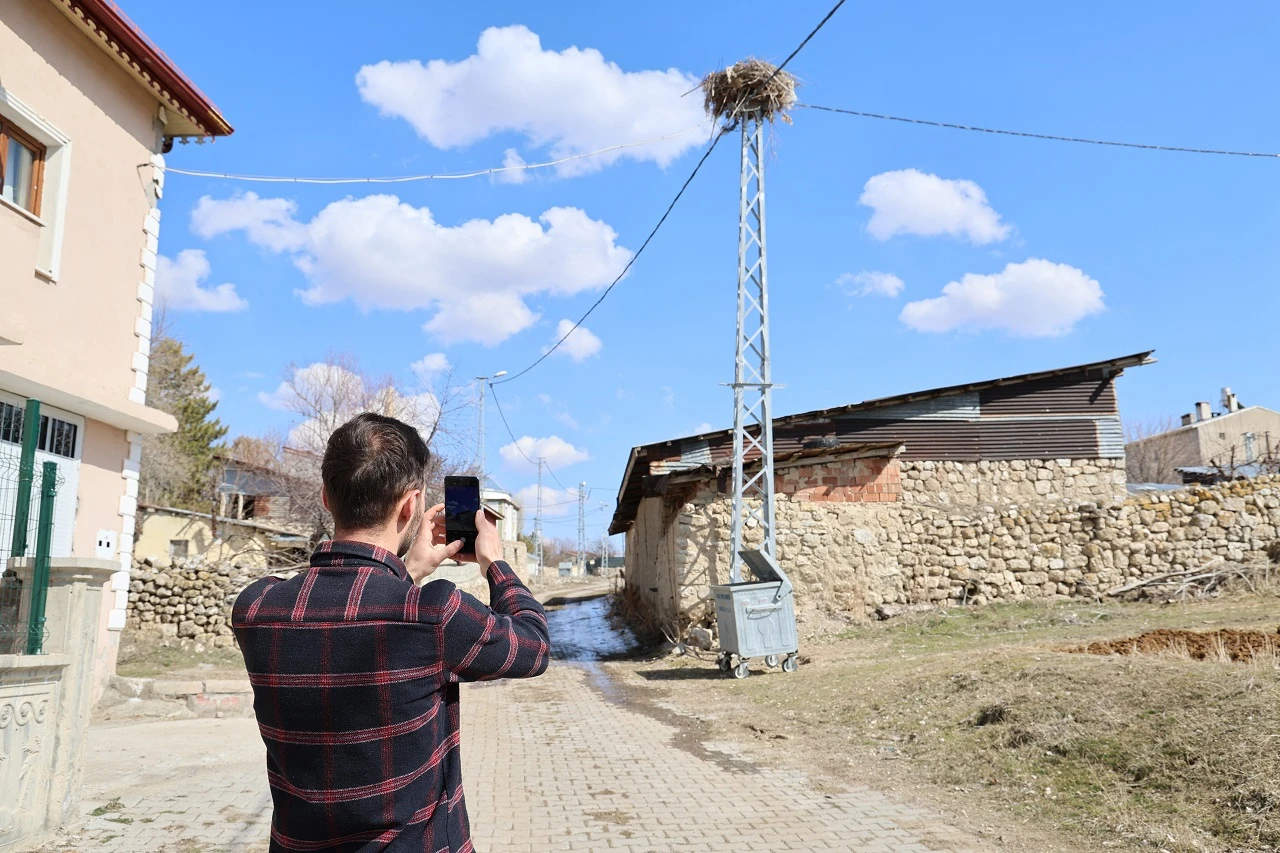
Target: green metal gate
[24,487]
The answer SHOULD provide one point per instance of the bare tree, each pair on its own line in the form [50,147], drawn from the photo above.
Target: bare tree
[325,395]
[1151,454]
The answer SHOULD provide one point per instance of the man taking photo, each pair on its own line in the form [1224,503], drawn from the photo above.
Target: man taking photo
[355,668]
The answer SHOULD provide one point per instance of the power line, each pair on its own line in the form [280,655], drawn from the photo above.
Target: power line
[269,179]
[1048,136]
[714,141]
[503,416]
[614,283]
[800,47]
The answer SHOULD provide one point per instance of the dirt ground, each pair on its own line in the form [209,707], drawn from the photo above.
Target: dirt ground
[983,714]
[1222,645]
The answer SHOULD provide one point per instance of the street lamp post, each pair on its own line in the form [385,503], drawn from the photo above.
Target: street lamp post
[481,382]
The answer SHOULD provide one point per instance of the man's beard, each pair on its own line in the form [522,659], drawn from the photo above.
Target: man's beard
[415,527]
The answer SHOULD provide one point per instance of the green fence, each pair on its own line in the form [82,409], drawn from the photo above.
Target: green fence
[27,494]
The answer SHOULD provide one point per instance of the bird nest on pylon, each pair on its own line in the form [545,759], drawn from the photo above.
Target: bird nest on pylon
[751,87]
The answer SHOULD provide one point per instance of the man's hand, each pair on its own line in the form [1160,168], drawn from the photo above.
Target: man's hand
[429,550]
[488,542]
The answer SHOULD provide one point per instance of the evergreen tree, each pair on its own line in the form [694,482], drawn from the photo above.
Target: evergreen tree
[179,469]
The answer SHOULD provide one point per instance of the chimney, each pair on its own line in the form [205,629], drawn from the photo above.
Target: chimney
[1203,413]
[1229,401]
[1186,420]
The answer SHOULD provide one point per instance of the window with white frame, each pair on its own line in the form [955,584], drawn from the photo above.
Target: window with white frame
[57,436]
[35,169]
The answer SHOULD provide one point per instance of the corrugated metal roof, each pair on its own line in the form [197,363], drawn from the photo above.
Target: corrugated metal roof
[1051,414]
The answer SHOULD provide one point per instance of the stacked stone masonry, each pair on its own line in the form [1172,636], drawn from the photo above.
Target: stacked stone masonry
[962,533]
[192,601]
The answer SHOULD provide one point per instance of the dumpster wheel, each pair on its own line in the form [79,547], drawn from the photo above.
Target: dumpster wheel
[722,661]
[741,670]
[792,663]
[770,660]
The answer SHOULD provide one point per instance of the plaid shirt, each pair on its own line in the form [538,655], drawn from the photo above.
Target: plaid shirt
[355,675]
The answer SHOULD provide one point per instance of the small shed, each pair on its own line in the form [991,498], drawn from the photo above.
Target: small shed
[849,477]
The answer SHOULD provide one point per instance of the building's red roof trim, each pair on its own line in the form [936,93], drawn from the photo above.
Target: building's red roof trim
[165,78]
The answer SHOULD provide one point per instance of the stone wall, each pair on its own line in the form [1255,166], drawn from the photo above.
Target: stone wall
[847,558]
[1013,481]
[192,600]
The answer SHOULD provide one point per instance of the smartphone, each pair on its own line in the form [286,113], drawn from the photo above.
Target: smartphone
[461,503]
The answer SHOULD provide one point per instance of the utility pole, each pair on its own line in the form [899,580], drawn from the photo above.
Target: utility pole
[752,383]
[537,523]
[604,540]
[481,382]
[582,528]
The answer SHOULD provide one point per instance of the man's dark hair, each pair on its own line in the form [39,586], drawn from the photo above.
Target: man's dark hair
[369,463]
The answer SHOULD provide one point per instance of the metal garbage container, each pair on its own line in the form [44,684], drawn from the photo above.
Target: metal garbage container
[757,619]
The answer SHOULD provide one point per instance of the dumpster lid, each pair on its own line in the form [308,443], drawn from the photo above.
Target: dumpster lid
[766,568]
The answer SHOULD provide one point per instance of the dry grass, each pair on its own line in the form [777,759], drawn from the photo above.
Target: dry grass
[152,657]
[749,87]
[1145,752]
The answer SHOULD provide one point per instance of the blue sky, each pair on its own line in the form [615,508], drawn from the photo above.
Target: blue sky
[1073,252]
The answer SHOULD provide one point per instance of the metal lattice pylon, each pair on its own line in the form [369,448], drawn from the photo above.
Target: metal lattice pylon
[752,385]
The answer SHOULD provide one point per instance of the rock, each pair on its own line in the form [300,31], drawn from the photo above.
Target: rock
[700,638]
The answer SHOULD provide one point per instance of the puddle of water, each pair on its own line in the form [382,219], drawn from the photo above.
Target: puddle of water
[581,631]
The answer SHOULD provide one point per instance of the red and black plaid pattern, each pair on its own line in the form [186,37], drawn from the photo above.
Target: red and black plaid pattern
[355,675]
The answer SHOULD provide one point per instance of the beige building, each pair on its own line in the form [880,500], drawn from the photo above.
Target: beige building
[1236,440]
[166,537]
[88,108]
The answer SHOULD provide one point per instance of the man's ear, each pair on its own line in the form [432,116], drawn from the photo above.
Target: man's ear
[409,507]
[324,499]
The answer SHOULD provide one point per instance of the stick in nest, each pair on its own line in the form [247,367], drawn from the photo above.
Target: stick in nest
[751,86]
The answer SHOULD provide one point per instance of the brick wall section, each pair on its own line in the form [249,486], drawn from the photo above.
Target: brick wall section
[842,481]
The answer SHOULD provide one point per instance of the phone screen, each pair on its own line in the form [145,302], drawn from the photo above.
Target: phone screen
[461,503]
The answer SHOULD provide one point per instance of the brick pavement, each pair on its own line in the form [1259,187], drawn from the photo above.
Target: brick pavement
[551,764]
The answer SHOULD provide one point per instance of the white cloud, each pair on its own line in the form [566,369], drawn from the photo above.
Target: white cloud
[868,283]
[214,394]
[556,503]
[269,222]
[567,419]
[545,399]
[512,161]
[555,451]
[703,427]
[625,394]
[430,366]
[178,285]
[909,201]
[572,101]
[581,344]
[380,252]
[1036,298]
[668,396]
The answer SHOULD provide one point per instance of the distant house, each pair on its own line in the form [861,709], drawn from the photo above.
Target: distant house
[169,536]
[1234,442]
[852,483]
[610,567]
[504,506]
[252,492]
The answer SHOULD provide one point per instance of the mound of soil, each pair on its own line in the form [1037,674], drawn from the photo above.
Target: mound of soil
[1239,646]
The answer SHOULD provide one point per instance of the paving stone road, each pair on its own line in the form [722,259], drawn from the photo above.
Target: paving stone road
[557,763]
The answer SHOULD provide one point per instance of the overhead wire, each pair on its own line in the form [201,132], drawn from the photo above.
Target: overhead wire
[448,176]
[714,141]
[1030,135]
[712,147]
[502,415]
